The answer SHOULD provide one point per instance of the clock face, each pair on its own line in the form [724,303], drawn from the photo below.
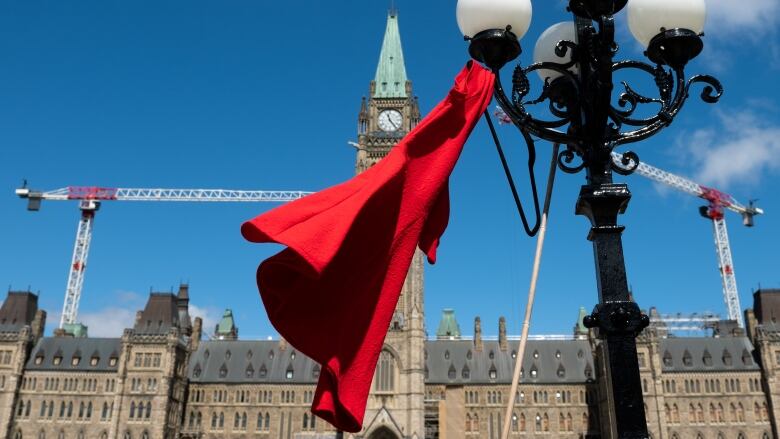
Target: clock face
[390,120]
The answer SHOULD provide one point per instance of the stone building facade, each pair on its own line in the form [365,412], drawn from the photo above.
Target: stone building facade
[162,380]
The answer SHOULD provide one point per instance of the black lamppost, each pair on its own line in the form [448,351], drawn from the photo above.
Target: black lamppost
[575,59]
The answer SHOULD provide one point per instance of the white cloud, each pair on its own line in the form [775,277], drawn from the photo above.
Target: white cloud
[108,322]
[739,151]
[111,321]
[750,18]
[210,316]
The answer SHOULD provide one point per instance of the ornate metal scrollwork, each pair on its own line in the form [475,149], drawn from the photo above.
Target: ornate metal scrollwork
[567,112]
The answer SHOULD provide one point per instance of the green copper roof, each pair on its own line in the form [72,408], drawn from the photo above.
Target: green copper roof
[391,72]
[77,330]
[226,325]
[580,328]
[448,327]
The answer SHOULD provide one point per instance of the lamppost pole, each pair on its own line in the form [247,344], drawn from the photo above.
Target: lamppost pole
[576,63]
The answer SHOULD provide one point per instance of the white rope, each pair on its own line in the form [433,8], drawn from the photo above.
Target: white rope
[531,295]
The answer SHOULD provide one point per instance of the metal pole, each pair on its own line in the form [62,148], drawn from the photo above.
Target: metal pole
[617,317]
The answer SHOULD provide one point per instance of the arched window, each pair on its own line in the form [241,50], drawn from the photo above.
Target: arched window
[145,435]
[213,420]
[384,380]
[515,422]
[267,421]
[80,435]
[132,409]
[546,423]
[18,434]
[305,421]
[221,419]
[104,435]
[61,434]
[127,435]
[41,434]
[243,420]
[148,409]
[569,426]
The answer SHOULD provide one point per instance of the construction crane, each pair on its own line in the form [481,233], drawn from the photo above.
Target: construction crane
[717,203]
[90,198]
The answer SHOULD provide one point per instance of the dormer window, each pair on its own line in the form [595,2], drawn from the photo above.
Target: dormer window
[270,355]
[262,372]
[726,358]
[250,371]
[558,354]
[536,355]
[289,373]
[468,355]
[446,355]
[112,361]
[223,371]
[315,373]
[196,372]
[227,354]
[667,359]
[514,354]
[57,361]
[534,372]
[687,359]
[94,361]
[561,372]
[466,373]
[39,359]
[747,359]
[451,372]
[75,360]
[707,358]
[493,374]
[491,355]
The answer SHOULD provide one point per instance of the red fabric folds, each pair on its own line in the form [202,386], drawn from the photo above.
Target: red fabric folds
[332,292]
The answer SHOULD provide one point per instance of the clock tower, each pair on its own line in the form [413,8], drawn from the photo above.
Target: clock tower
[395,406]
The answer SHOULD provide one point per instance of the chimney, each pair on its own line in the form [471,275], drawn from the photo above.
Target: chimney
[477,334]
[197,333]
[38,324]
[502,344]
[138,315]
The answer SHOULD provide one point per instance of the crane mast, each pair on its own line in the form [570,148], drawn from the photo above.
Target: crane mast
[90,198]
[717,202]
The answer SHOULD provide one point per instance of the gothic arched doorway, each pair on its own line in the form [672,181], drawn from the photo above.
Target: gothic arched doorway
[383,433]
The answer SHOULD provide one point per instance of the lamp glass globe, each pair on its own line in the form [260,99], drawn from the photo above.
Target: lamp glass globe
[544,51]
[475,16]
[648,18]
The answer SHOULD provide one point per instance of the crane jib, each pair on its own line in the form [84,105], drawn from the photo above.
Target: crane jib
[91,193]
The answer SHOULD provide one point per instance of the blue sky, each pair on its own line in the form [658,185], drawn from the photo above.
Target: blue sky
[265,95]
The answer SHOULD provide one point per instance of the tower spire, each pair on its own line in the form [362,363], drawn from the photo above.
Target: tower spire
[390,79]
